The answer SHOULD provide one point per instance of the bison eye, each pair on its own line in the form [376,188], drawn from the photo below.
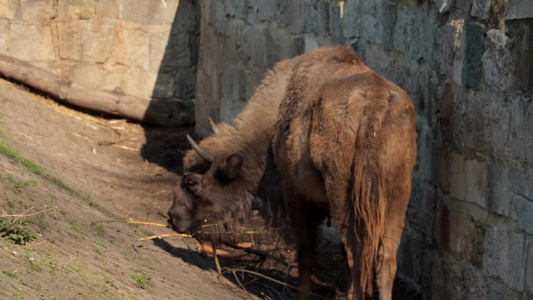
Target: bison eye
[190,183]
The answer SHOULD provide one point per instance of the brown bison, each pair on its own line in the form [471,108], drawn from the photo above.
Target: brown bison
[343,139]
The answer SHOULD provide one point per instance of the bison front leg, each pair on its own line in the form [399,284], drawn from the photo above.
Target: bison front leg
[305,218]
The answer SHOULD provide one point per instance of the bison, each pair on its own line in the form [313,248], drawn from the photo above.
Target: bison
[343,140]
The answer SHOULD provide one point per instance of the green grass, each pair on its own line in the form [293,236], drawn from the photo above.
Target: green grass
[140,280]
[19,185]
[32,167]
[10,274]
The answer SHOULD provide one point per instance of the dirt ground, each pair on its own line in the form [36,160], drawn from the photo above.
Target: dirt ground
[93,169]
[96,173]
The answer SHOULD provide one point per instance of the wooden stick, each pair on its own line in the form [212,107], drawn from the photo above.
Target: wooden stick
[147,223]
[160,236]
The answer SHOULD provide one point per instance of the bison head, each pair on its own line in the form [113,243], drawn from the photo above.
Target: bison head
[212,192]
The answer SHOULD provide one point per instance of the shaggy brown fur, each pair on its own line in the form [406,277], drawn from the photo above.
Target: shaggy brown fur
[343,139]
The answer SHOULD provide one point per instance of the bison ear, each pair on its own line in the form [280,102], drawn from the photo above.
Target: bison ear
[231,166]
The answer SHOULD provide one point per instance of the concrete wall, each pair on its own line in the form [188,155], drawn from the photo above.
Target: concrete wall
[145,48]
[468,66]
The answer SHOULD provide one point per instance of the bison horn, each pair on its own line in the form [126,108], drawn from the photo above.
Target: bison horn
[213,125]
[204,154]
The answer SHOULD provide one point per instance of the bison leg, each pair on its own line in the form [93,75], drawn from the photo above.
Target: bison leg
[305,218]
[386,267]
[390,241]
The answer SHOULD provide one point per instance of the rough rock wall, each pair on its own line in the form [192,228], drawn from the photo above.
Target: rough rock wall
[468,66]
[147,49]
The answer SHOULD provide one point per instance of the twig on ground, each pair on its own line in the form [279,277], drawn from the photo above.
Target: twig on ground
[24,214]
[160,236]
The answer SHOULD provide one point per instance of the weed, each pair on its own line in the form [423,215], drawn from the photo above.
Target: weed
[100,243]
[100,230]
[10,274]
[140,281]
[34,266]
[19,296]
[15,232]
[10,202]
[19,185]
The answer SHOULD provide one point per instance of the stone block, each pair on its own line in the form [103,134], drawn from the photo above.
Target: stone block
[521,53]
[296,46]
[237,9]
[389,22]
[272,46]
[472,67]
[474,284]
[458,231]
[244,40]
[108,9]
[446,113]
[69,39]
[324,17]
[97,38]
[524,211]
[498,67]
[453,46]
[529,267]
[444,172]
[498,194]
[311,19]
[159,39]
[350,21]
[476,182]
[519,9]
[164,86]
[405,31]
[457,176]
[149,12]
[83,9]
[310,44]
[4,35]
[31,42]
[89,75]
[185,81]
[139,83]
[265,11]
[496,252]
[8,9]
[495,294]
[444,5]
[474,242]
[336,22]
[295,16]
[520,182]
[258,42]
[187,17]
[136,48]
[113,76]
[497,129]
[521,143]
[517,261]
[37,10]
[480,9]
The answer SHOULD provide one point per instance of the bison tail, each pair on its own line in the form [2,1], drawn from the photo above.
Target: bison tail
[369,206]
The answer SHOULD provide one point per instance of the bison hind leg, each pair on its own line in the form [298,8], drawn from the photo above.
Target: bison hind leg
[305,218]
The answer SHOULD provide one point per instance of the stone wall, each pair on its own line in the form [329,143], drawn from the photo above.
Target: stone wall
[147,49]
[468,66]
